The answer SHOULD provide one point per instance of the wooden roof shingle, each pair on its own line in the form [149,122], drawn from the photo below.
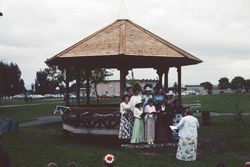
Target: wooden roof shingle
[124,38]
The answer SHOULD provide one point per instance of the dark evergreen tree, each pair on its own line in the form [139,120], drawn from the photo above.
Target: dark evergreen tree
[224,83]
[237,83]
[207,86]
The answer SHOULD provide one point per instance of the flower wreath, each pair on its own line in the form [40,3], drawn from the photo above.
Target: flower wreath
[109,159]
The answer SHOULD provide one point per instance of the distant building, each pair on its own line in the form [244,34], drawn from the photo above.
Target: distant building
[196,88]
[112,87]
[200,89]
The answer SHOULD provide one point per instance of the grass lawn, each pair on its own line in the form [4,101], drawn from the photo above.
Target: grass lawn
[21,101]
[24,113]
[226,140]
[212,103]
[222,102]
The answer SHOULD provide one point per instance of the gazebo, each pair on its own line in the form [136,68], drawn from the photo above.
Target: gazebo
[122,45]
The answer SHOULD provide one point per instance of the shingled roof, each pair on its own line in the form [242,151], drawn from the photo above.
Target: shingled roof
[123,38]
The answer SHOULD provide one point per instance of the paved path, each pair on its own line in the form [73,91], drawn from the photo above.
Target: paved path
[42,121]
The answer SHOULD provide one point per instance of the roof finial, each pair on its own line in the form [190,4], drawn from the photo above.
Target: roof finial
[123,14]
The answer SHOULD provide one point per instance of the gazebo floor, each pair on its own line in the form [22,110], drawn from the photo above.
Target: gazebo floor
[168,146]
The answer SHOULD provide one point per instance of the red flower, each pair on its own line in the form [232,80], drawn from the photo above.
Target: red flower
[109,158]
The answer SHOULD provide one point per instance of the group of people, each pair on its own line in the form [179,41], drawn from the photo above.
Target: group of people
[147,118]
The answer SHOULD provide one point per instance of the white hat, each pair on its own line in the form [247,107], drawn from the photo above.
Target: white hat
[170,93]
[148,89]
[138,102]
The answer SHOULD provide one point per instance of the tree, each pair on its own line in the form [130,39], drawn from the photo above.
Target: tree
[41,82]
[99,75]
[247,85]
[207,86]
[48,79]
[10,80]
[224,83]
[237,83]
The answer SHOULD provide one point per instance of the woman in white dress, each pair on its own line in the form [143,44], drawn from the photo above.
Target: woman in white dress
[138,129]
[187,146]
[150,122]
[127,121]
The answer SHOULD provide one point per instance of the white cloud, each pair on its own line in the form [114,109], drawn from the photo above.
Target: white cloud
[215,31]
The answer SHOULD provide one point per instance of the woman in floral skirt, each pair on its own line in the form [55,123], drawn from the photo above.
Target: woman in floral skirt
[127,120]
[187,146]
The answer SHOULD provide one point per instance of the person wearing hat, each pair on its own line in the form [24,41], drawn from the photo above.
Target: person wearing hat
[52,164]
[72,164]
[136,96]
[150,122]
[138,129]
[147,95]
[247,164]
[4,158]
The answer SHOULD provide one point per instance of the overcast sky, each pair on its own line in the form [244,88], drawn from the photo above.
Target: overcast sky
[216,31]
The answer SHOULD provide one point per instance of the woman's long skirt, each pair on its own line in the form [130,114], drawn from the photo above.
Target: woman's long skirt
[162,130]
[138,131]
[187,149]
[126,126]
[150,129]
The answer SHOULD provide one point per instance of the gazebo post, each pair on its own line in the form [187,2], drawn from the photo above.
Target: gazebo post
[67,86]
[166,79]
[160,73]
[123,74]
[87,73]
[78,72]
[179,82]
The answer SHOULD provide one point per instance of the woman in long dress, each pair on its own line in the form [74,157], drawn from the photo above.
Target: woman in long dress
[163,121]
[187,146]
[150,122]
[138,129]
[127,120]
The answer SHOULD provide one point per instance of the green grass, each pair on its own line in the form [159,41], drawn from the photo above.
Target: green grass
[24,113]
[21,101]
[221,103]
[225,140]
